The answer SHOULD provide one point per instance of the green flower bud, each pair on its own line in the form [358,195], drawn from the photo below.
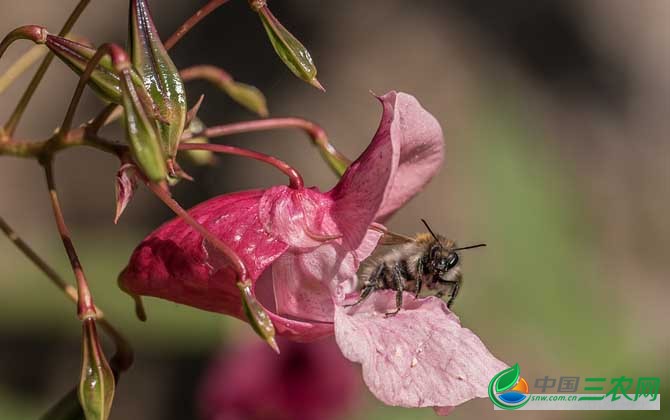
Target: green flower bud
[288,48]
[256,315]
[159,74]
[96,387]
[143,139]
[104,80]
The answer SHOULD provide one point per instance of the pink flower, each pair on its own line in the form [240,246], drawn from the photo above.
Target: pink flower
[307,381]
[302,249]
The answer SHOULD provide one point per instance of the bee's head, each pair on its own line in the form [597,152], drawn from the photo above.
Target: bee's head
[444,258]
[447,262]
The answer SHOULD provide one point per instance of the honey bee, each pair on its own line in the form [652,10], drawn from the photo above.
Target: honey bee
[427,260]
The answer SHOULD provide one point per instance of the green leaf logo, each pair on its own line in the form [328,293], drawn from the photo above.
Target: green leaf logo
[508,378]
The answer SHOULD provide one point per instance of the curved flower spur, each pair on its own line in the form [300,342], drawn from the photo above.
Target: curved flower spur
[303,247]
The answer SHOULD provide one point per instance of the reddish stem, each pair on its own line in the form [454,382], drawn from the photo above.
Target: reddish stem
[192,21]
[123,358]
[85,307]
[212,74]
[164,195]
[293,175]
[316,133]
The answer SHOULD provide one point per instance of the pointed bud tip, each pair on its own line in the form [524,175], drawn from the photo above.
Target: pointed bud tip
[314,82]
[273,344]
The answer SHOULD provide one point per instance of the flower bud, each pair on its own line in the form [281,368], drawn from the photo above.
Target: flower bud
[246,95]
[288,48]
[104,80]
[96,387]
[159,74]
[256,315]
[198,157]
[141,131]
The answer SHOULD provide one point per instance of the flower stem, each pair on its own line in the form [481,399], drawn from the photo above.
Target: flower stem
[22,64]
[236,262]
[337,161]
[14,119]
[293,175]
[85,307]
[192,21]
[124,353]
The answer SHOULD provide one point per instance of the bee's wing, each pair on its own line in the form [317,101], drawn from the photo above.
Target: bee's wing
[391,238]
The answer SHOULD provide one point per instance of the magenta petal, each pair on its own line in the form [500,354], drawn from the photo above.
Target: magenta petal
[421,357]
[418,140]
[175,263]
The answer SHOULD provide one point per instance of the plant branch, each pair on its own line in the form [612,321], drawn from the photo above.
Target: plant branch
[124,353]
[22,64]
[85,307]
[14,119]
[192,21]
[335,159]
[76,137]
[293,175]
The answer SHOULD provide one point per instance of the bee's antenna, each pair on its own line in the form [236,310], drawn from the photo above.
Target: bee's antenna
[469,247]
[432,233]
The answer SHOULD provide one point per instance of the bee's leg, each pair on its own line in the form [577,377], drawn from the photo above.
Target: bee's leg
[419,280]
[371,284]
[454,292]
[417,289]
[398,286]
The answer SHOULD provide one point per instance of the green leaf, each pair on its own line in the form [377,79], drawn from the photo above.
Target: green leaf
[141,132]
[508,378]
[159,74]
[96,386]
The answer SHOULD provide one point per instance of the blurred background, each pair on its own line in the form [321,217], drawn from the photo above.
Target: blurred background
[556,124]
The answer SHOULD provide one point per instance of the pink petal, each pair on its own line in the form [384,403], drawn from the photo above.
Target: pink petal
[298,217]
[126,184]
[174,262]
[361,190]
[418,141]
[307,283]
[421,357]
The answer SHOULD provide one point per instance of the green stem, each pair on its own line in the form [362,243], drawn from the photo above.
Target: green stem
[22,64]
[14,119]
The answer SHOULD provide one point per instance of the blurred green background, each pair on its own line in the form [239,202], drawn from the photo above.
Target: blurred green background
[556,129]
